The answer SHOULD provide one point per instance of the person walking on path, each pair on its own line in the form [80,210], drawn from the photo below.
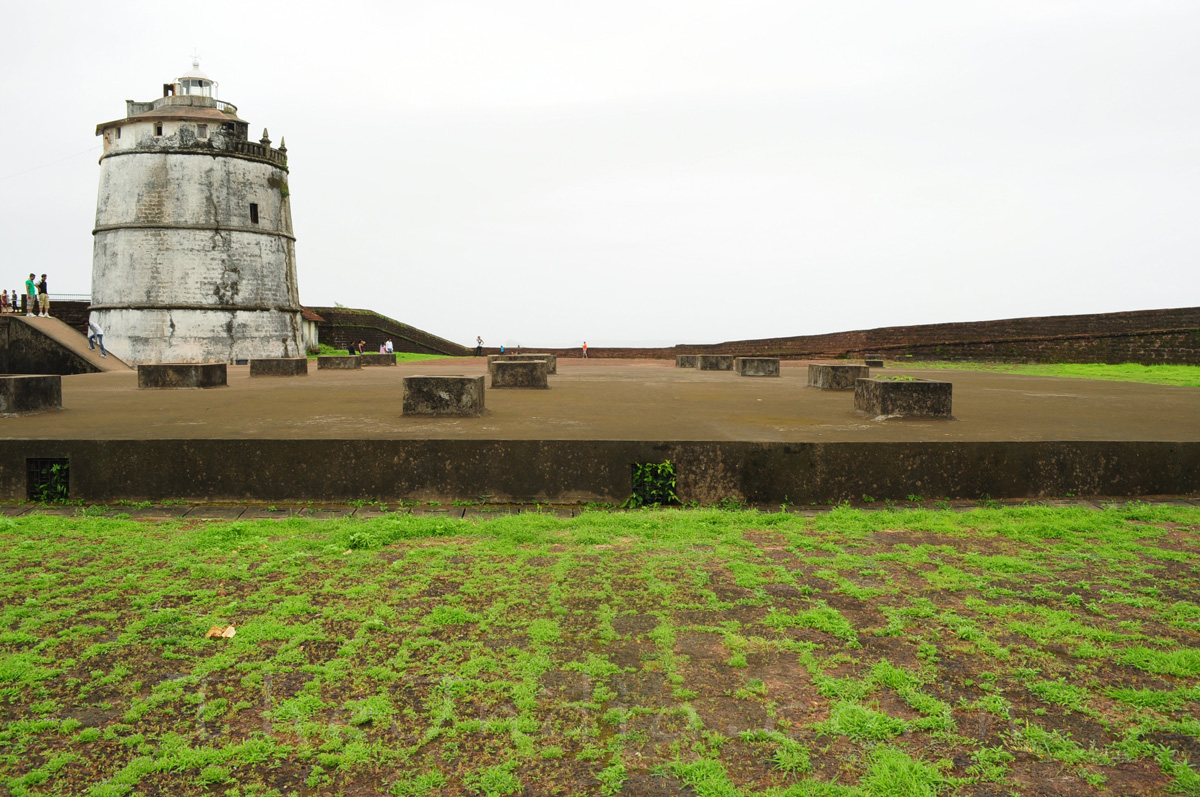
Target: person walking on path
[4,301]
[95,335]
[585,350]
[478,346]
[44,296]
[30,296]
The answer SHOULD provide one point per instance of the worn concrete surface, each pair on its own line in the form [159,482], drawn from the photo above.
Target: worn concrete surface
[612,400]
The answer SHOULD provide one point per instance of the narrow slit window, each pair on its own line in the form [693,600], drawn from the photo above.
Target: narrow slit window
[253,213]
[158,129]
[118,132]
[201,131]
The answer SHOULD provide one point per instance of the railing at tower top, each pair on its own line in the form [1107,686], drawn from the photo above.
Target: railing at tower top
[256,150]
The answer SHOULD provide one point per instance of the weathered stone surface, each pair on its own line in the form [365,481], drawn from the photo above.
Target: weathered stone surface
[873,363]
[756,366]
[35,393]
[181,375]
[715,362]
[280,366]
[194,234]
[686,360]
[919,398]
[443,395]
[836,377]
[375,358]
[551,359]
[339,362]
[520,373]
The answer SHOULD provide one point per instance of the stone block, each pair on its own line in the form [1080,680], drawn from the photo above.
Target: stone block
[903,397]
[836,377]
[279,366]
[873,363]
[552,359]
[756,366]
[520,373]
[443,395]
[715,362]
[181,375]
[339,362]
[686,360]
[21,394]
[375,358]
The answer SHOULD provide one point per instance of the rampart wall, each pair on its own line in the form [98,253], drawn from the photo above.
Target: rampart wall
[1144,336]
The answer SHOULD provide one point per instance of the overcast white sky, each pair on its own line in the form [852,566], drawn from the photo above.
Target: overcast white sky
[547,172]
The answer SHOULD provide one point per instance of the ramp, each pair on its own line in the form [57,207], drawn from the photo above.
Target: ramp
[31,345]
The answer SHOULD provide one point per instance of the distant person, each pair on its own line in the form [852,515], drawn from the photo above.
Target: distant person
[502,348]
[362,344]
[585,350]
[95,335]
[388,347]
[478,346]
[44,296]
[4,306]
[30,296]
[382,349]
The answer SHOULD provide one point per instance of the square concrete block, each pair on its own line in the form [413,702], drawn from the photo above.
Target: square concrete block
[903,398]
[181,375]
[836,377]
[520,373]
[756,366]
[686,360]
[872,363]
[552,359]
[21,394]
[375,358]
[443,395]
[715,362]
[339,362]
[279,366]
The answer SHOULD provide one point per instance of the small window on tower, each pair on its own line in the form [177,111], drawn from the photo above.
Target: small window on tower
[118,132]
[253,213]
[158,129]
[201,131]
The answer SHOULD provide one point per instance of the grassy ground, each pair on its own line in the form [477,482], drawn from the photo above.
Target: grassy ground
[1020,650]
[1184,375]
[401,356]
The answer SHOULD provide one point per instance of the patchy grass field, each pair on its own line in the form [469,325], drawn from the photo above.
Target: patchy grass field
[1022,650]
[1182,375]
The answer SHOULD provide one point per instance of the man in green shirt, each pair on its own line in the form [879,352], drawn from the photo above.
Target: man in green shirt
[31,306]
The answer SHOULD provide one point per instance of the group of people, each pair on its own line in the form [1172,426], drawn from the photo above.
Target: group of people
[384,348]
[38,303]
[479,348]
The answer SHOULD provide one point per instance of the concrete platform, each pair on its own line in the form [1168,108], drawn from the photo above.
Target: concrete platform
[341,436]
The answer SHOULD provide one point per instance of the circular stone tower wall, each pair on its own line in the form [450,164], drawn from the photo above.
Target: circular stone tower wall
[194,257]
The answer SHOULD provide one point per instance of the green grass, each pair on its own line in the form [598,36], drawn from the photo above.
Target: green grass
[401,356]
[732,653]
[1183,375]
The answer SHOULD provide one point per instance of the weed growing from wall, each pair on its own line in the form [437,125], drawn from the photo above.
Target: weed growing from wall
[653,485]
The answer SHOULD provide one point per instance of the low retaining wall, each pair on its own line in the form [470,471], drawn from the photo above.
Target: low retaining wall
[279,366]
[577,471]
[166,376]
[339,362]
[23,394]
[375,358]
[685,360]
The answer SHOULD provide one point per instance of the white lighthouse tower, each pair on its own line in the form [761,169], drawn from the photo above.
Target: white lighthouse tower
[194,257]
